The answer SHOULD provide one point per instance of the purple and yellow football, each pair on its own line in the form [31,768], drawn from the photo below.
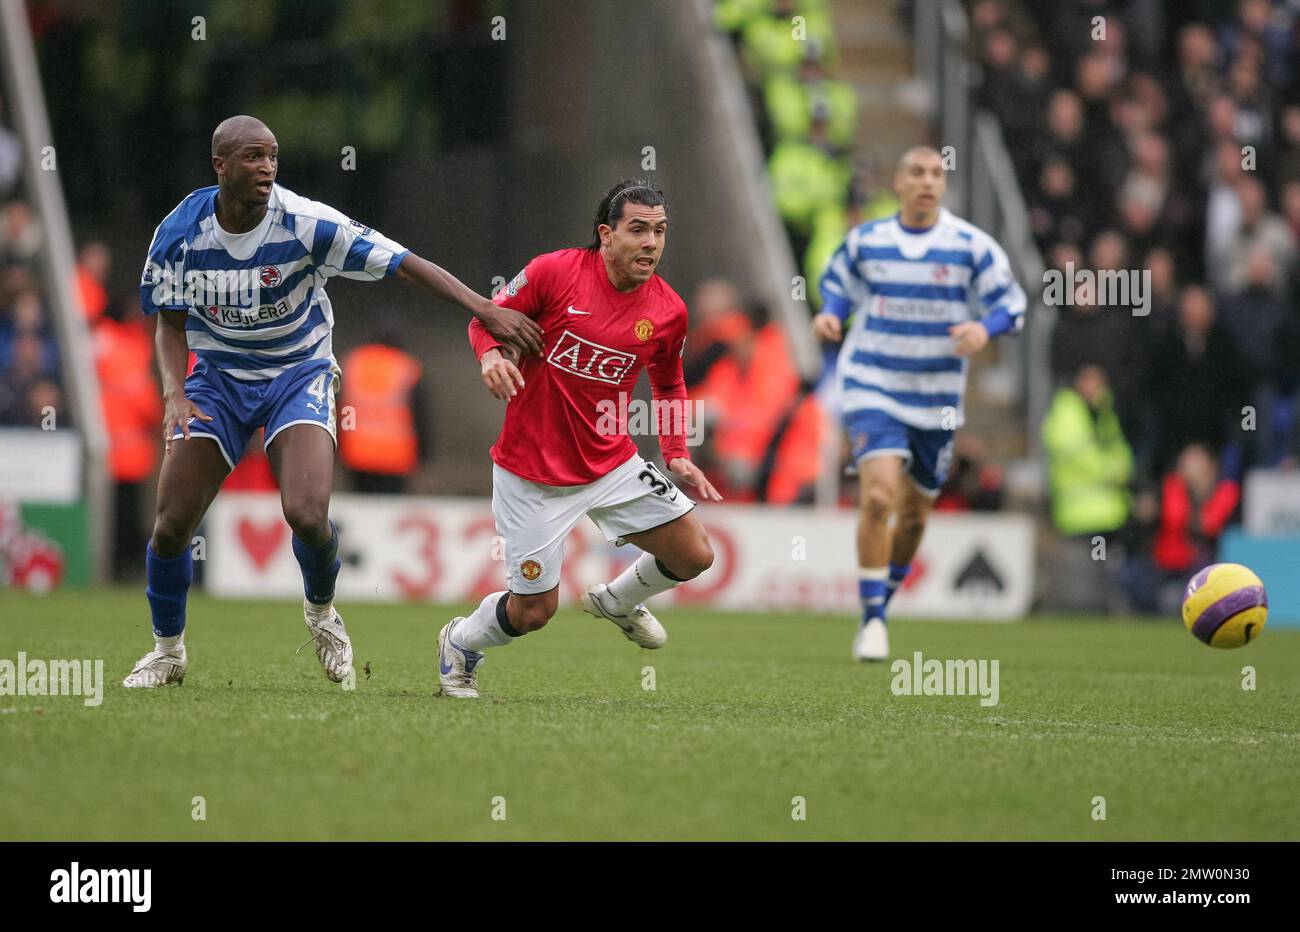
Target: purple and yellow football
[1225,605]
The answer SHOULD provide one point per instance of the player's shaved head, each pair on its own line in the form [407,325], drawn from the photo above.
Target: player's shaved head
[234,131]
[914,153]
[245,157]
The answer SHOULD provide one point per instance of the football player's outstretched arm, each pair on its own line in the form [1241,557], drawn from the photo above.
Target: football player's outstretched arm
[511,328]
[173,353]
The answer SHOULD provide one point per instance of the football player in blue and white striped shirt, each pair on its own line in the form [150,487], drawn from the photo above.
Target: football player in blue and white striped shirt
[907,282]
[237,274]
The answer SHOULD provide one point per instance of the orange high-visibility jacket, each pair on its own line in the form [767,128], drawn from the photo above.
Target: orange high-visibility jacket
[381,435]
[131,406]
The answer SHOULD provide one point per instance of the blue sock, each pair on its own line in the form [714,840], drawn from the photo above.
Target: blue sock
[169,583]
[897,573]
[873,588]
[320,568]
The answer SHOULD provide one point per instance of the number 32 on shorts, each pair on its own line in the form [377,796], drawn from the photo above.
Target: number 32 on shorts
[658,482]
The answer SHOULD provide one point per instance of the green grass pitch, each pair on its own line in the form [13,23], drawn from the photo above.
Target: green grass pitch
[748,713]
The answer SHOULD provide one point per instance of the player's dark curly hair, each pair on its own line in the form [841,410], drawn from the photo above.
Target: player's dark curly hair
[610,211]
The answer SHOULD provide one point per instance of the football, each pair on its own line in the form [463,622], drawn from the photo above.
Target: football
[1225,605]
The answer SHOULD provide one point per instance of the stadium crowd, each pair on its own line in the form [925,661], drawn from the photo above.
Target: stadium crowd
[1161,138]
[29,353]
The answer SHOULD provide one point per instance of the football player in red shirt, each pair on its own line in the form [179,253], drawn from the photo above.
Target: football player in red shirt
[564,451]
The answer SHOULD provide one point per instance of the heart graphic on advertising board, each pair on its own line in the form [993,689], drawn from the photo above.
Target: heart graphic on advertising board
[261,540]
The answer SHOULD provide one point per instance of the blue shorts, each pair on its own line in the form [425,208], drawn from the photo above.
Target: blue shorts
[301,395]
[927,454]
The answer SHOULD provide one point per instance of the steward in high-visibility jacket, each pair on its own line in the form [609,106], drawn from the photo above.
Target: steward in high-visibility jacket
[129,398]
[805,177]
[1089,462]
[377,395]
[776,43]
[791,102]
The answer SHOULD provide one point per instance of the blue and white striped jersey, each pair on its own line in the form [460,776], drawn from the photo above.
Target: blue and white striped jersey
[256,301]
[907,288]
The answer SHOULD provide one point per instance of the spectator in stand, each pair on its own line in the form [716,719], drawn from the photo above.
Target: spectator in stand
[719,322]
[94,263]
[1265,330]
[132,413]
[1105,334]
[1257,229]
[788,474]
[792,99]
[1064,137]
[1195,79]
[383,446]
[1290,198]
[745,396]
[1287,159]
[45,407]
[1059,212]
[1257,29]
[20,235]
[1223,201]
[1164,301]
[1145,194]
[1088,460]
[1196,504]
[769,44]
[1254,104]
[1006,91]
[25,385]
[27,316]
[1195,381]
[806,177]
[733,16]
[1104,150]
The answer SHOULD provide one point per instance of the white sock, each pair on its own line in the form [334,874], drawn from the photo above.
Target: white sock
[319,611]
[639,582]
[172,645]
[481,629]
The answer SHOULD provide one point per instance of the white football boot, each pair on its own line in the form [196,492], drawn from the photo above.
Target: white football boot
[872,641]
[158,668]
[638,625]
[333,648]
[457,667]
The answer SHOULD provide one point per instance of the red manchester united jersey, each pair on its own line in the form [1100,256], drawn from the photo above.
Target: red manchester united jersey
[567,425]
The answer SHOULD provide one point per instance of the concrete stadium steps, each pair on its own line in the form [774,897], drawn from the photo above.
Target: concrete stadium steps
[876,57]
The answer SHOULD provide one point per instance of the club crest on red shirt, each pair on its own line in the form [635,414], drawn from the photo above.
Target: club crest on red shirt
[643,329]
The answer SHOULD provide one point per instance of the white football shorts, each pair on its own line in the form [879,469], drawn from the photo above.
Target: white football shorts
[535,519]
